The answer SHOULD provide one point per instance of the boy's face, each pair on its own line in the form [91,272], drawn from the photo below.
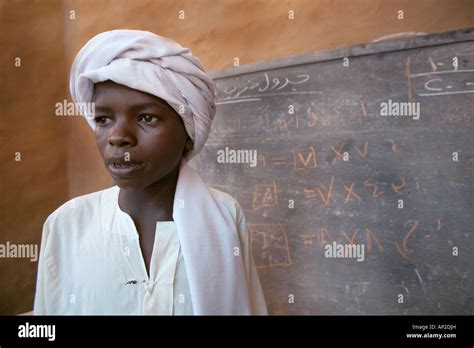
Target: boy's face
[139,136]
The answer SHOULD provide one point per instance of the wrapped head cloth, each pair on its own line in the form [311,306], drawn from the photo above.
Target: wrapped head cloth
[150,63]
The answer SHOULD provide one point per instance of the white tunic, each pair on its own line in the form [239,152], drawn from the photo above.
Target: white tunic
[91,262]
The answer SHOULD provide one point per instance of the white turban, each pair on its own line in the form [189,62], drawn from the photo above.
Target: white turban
[150,63]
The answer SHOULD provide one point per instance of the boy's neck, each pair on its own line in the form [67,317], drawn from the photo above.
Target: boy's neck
[153,202]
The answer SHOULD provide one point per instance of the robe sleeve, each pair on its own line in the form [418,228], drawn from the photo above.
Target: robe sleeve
[44,281]
[256,296]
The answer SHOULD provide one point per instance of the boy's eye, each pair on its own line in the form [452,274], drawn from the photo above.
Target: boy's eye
[148,118]
[101,120]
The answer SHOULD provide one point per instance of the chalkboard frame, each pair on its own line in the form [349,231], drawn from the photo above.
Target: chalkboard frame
[436,39]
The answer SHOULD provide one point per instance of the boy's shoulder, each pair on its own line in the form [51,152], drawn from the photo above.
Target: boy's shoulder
[226,200]
[85,205]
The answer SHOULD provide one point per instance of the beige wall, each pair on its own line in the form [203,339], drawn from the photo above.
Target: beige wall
[58,156]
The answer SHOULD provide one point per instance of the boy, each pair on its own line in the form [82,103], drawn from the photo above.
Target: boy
[160,241]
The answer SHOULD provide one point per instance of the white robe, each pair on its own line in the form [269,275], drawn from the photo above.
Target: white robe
[91,263]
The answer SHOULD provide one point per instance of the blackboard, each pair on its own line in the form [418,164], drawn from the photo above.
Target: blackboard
[330,168]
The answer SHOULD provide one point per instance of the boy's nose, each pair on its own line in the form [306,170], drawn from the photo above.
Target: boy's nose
[122,135]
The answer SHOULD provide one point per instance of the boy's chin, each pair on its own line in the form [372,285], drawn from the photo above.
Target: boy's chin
[128,184]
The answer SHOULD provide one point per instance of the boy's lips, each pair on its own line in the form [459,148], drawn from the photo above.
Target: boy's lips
[119,166]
